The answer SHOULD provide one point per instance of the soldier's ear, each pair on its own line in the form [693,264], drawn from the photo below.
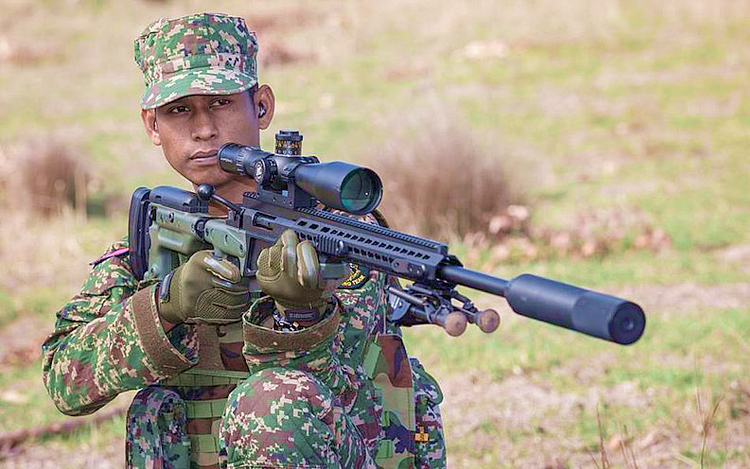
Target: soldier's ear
[148,116]
[263,98]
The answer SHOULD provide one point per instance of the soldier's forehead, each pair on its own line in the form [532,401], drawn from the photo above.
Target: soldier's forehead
[203,96]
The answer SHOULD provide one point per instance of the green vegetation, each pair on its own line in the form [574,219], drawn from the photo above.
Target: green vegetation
[620,120]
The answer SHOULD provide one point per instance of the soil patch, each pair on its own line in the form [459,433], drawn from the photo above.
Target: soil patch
[21,341]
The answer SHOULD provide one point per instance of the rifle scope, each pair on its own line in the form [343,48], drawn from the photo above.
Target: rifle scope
[337,184]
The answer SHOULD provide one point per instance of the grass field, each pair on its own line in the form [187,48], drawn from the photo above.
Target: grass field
[621,126]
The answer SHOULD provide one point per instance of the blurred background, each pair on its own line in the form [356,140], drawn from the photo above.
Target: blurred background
[601,143]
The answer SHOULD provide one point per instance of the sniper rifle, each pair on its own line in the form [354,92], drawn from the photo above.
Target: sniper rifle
[168,224]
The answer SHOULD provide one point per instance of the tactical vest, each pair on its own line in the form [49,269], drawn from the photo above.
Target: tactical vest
[178,419]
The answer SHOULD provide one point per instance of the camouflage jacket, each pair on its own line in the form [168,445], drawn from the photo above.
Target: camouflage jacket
[108,339]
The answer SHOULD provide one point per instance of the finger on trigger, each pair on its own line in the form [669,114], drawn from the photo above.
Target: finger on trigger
[264,259]
[221,282]
[270,264]
[222,268]
[289,243]
[307,265]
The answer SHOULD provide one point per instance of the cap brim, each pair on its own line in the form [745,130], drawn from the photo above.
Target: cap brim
[202,81]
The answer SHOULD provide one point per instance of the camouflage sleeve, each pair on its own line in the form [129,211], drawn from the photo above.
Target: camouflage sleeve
[109,339]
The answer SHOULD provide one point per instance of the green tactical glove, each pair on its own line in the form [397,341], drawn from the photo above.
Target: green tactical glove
[289,271]
[204,290]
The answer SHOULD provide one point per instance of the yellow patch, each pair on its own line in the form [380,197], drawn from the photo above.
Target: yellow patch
[357,278]
[421,436]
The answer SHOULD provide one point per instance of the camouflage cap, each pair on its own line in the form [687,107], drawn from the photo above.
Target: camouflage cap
[204,53]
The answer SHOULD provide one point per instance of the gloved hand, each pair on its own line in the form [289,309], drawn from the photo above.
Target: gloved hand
[204,290]
[290,272]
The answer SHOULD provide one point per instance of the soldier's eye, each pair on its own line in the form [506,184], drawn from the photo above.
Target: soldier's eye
[179,109]
[221,102]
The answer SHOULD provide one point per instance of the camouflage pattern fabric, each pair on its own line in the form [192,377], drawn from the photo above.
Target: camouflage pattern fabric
[108,339]
[303,406]
[157,431]
[281,418]
[392,375]
[205,53]
[103,345]
[430,441]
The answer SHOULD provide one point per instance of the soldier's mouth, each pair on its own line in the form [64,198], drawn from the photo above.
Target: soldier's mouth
[205,157]
[198,155]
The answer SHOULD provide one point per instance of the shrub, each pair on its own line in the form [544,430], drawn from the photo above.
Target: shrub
[45,177]
[439,182]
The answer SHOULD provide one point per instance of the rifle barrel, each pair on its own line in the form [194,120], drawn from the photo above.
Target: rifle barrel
[473,279]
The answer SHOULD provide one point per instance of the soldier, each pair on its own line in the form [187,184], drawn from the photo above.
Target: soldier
[295,372]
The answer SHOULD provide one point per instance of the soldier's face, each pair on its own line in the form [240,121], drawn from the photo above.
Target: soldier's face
[192,129]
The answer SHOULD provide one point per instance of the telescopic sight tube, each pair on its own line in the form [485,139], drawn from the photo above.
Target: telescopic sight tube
[239,159]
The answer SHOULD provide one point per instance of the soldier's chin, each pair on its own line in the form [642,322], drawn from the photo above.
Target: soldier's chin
[197,181]
[215,178]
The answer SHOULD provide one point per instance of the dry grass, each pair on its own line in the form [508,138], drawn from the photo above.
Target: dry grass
[528,423]
[45,177]
[43,253]
[45,190]
[43,194]
[48,189]
[438,180]
[706,417]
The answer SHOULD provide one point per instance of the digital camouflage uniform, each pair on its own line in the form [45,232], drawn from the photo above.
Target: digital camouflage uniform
[341,393]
